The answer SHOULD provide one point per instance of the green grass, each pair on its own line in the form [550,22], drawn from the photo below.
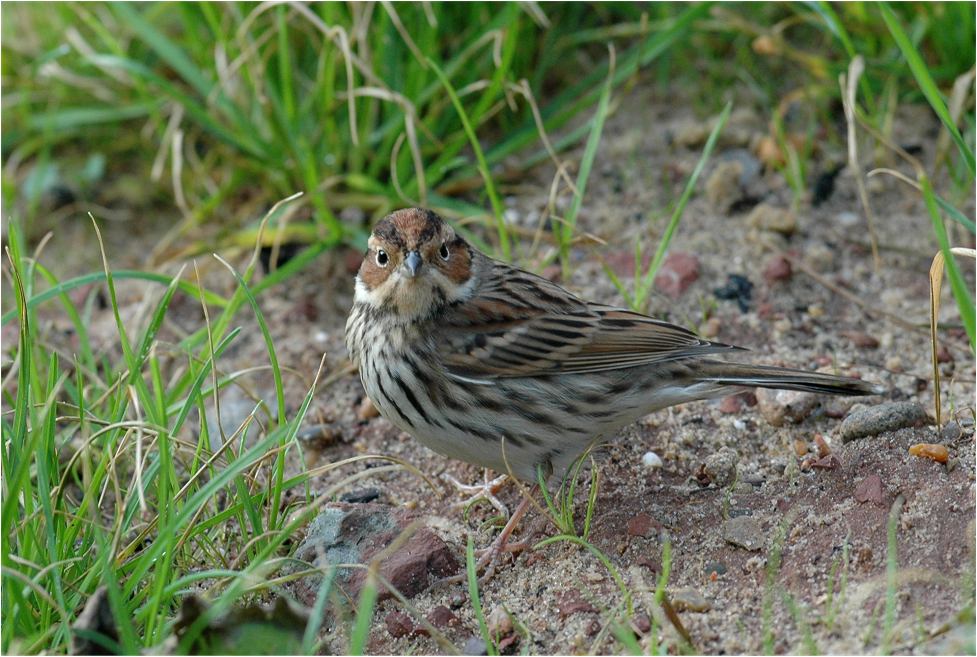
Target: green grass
[115,478]
[364,106]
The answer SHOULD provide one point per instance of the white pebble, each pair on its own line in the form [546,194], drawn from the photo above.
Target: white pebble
[740,425]
[321,336]
[652,460]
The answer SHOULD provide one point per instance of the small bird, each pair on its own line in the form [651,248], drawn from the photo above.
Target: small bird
[490,364]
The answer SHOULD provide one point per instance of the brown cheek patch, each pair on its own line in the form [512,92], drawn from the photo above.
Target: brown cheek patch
[372,274]
[459,266]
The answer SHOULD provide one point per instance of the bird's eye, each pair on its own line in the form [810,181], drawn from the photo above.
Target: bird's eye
[443,251]
[382,258]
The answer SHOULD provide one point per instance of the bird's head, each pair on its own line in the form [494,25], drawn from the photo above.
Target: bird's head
[415,264]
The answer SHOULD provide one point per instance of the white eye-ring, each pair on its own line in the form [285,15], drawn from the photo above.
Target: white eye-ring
[382,258]
[443,251]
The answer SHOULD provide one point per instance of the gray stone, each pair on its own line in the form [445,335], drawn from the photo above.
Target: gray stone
[873,420]
[744,532]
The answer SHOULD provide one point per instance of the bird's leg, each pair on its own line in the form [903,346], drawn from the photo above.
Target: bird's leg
[484,491]
[487,557]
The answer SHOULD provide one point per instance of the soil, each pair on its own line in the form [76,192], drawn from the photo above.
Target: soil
[818,573]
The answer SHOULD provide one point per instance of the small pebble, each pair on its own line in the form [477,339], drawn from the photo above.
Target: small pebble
[641,623]
[651,460]
[773,219]
[690,600]
[800,447]
[778,268]
[678,271]
[710,329]
[720,467]
[951,431]
[823,447]
[443,617]
[499,622]
[744,532]
[474,646]
[399,624]
[872,420]
[731,404]
[938,453]
[861,339]
[641,525]
[869,489]
[780,406]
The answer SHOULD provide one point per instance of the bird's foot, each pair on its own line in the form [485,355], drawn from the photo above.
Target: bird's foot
[488,558]
[483,491]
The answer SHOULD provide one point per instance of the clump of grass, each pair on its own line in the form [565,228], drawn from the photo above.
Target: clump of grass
[114,476]
[350,103]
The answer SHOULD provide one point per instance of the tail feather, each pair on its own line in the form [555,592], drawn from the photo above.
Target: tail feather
[783,378]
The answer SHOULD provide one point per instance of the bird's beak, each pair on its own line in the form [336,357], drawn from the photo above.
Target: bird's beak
[413,262]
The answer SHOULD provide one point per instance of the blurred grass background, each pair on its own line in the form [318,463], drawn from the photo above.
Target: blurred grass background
[195,119]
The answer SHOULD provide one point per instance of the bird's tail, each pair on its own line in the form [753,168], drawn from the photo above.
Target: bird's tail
[783,378]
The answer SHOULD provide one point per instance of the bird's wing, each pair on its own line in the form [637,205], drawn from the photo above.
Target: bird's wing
[519,324]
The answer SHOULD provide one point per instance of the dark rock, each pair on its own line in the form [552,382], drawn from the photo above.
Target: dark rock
[873,420]
[869,489]
[738,288]
[400,625]
[443,617]
[677,273]
[320,436]
[824,185]
[95,618]
[744,532]
[361,496]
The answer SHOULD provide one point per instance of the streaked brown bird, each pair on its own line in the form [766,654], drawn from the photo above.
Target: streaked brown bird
[491,364]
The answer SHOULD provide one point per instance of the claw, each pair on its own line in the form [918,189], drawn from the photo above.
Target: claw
[484,491]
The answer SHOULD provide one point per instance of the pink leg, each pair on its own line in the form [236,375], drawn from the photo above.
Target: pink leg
[487,558]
